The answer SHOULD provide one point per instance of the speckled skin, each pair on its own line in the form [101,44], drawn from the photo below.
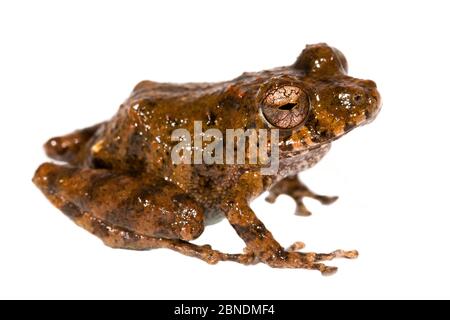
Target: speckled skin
[120,184]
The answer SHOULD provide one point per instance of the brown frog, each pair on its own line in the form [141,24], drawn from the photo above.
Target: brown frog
[120,183]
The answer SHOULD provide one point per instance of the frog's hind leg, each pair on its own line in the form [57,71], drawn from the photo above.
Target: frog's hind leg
[69,148]
[129,212]
[123,239]
[293,187]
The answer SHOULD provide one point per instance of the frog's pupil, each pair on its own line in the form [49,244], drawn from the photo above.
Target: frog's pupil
[287,106]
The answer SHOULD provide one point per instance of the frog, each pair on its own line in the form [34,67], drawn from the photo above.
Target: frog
[117,179]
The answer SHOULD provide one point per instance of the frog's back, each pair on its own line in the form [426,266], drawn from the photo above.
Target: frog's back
[167,91]
[138,136]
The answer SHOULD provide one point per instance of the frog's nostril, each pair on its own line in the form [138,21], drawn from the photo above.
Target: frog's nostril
[359,98]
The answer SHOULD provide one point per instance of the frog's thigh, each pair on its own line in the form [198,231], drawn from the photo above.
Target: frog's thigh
[67,148]
[154,208]
[128,212]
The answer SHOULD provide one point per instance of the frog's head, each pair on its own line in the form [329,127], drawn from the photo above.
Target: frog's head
[314,102]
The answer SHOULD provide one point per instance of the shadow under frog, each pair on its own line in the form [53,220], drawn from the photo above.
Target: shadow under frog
[120,183]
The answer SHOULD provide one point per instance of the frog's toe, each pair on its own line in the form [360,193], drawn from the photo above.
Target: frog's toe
[297,190]
[300,209]
[318,257]
[297,260]
[323,199]
[298,245]
[271,197]
[307,260]
[70,148]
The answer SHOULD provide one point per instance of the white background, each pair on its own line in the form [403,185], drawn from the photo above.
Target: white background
[66,65]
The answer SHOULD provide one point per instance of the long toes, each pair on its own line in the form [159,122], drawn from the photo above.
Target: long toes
[297,260]
[352,254]
[271,197]
[326,270]
[301,209]
[325,199]
[312,257]
[317,257]
[298,245]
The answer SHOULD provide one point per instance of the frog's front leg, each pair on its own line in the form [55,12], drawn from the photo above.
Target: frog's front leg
[261,242]
[129,212]
[293,187]
[69,148]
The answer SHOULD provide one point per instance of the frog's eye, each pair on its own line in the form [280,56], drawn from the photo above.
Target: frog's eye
[285,107]
[322,60]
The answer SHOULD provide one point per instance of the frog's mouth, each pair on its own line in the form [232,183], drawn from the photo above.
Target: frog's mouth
[290,152]
[322,140]
[310,141]
[318,140]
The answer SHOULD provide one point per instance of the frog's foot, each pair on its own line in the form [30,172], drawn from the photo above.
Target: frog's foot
[290,258]
[69,148]
[293,187]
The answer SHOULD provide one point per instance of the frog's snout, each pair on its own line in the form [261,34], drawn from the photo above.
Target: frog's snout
[374,98]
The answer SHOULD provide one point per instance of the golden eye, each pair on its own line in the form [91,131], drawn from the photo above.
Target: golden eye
[285,107]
